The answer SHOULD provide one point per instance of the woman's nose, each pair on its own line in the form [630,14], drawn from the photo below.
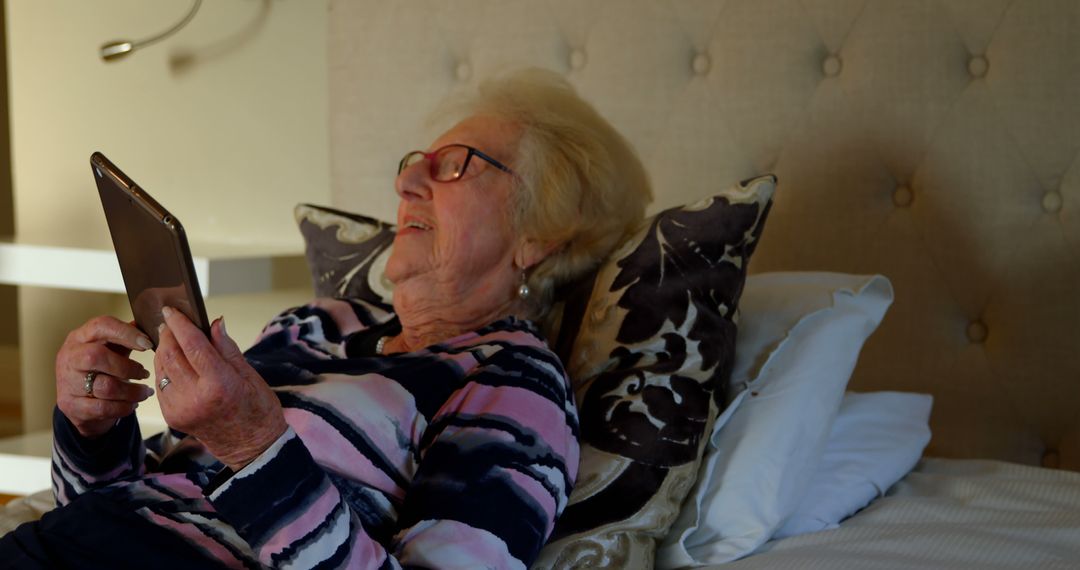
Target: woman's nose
[414,183]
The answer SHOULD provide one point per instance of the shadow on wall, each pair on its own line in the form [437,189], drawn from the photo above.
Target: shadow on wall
[184,60]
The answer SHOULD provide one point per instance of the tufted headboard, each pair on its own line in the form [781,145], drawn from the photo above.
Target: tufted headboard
[934,141]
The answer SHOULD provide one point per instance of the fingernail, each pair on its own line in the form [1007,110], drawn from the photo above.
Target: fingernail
[222,325]
[160,328]
[144,343]
[166,311]
[148,392]
[144,374]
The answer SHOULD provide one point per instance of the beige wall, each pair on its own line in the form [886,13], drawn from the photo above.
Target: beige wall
[10,413]
[225,123]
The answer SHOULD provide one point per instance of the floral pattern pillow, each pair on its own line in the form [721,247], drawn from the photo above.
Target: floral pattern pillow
[649,359]
[346,253]
[648,341]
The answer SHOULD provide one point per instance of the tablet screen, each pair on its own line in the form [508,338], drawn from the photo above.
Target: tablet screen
[152,251]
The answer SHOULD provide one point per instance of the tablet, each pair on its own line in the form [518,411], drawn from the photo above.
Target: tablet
[153,252]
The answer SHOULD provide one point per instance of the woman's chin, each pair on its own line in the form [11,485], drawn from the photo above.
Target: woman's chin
[397,269]
[401,276]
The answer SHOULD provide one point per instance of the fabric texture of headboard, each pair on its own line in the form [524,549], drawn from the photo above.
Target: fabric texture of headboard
[934,141]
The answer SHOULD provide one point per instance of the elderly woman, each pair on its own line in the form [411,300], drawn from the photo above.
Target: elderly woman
[443,435]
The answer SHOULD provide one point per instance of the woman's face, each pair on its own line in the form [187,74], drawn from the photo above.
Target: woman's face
[456,237]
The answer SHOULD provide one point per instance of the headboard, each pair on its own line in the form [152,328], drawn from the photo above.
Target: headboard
[934,141]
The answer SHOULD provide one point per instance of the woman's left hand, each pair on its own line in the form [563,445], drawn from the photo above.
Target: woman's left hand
[213,393]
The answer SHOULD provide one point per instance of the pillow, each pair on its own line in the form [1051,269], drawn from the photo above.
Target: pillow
[800,336]
[650,355]
[346,253]
[648,341]
[876,439]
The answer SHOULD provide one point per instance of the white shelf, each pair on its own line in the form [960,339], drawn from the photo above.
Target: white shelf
[26,460]
[221,269]
[25,463]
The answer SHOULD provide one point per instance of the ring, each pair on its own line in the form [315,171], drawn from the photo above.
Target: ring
[88,384]
[164,383]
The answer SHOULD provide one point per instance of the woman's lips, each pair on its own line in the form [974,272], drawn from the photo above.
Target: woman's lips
[410,230]
[413,225]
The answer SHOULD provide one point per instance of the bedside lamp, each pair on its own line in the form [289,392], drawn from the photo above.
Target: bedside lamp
[119,49]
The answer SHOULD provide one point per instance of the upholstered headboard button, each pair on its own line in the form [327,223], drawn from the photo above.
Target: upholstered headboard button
[1051,459]
[903,196]
[702,63]
[578,59]
[977,332]
[463,71]
[978,66]
[832,65]
[1052,202]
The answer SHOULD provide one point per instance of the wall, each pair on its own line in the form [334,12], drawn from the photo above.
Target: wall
[10,413]
[225,123]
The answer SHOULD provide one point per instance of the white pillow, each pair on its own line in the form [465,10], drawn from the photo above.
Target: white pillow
[799,338]
[876,439]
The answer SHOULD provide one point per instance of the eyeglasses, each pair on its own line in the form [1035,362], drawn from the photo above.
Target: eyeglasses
[448,163]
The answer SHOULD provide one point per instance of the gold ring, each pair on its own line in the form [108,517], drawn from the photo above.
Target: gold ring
[88,384]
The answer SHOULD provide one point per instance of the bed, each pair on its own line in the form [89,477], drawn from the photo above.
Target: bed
[927,154]
[905,382]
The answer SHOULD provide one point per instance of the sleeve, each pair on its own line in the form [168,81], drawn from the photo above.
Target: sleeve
[80,464]
[287,509]
[496,467]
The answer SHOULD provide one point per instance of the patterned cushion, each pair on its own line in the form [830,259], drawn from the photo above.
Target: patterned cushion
[346,253]
[649,360]
[648,341]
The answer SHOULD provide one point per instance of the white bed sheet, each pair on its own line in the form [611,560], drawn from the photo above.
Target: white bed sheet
[948,513]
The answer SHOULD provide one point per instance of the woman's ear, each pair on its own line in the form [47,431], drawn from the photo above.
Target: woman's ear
[530,252]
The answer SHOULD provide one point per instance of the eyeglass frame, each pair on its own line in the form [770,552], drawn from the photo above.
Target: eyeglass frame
[472,151]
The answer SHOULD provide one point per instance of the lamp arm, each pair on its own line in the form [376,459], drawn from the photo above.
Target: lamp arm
[170,31]
[119,49]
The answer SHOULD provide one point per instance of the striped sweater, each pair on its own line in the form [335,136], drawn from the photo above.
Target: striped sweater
[460,455]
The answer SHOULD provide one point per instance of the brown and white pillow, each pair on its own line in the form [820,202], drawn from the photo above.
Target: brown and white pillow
[346,253]
[650,357]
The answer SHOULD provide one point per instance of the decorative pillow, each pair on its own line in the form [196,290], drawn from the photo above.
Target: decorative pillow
[346,253]
[649,345]
[876,439]
[650,362]
[799,339]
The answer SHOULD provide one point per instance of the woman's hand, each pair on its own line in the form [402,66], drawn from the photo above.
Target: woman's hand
[100,349]
[213,393]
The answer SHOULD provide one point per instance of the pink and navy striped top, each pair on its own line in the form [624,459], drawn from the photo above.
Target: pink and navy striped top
[460,455]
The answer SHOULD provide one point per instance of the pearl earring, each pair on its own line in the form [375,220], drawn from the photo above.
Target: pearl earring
[523,289]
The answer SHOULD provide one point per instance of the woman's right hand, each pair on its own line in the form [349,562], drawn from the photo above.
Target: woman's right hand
[101,345]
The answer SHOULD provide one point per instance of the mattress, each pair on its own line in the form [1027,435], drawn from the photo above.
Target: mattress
[948,513]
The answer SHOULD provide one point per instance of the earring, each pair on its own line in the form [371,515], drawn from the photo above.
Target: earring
[523,289]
